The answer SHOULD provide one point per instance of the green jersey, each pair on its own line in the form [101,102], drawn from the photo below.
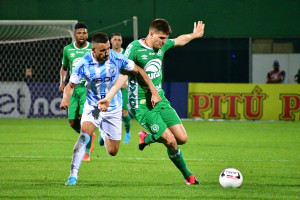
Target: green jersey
[72,54]
[151,61]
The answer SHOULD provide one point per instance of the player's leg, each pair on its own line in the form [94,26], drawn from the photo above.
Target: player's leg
[111,130]
[125,115]
[126,120]
[87,129]
[81,98]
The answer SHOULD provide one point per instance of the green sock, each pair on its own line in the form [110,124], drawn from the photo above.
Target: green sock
[88,146]
[178,160]
[127,121]
[150,139]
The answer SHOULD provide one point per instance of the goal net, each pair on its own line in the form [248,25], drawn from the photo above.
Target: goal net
[30,61]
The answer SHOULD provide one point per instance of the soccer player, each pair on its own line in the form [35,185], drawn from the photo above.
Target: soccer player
[71,55]
[116,45]
[161,121]
[100,69]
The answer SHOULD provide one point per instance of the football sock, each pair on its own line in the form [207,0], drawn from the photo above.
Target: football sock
[88,146]
[150,139]
[78,153]
[127,121]
[178,160]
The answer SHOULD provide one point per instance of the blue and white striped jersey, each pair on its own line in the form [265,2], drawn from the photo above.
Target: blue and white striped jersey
[100,77]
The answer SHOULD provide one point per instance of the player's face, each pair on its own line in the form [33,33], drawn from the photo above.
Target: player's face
[158,39]
[81,36]
[101,51]
[116,42]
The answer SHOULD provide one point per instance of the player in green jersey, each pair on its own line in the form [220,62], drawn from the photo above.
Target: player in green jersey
[116,45]
[72,53]
[161,121]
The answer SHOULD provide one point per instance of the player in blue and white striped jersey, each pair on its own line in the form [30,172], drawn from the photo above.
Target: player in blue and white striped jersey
[103,70]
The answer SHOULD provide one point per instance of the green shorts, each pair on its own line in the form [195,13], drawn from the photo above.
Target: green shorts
[77,102]
[125,98]
[158,119]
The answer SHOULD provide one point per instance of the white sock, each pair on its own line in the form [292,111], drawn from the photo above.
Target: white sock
[78,153]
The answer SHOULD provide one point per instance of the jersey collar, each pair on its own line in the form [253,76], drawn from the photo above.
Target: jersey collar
[87,44]
[142,43]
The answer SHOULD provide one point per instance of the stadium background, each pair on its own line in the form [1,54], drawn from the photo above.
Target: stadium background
[235,31]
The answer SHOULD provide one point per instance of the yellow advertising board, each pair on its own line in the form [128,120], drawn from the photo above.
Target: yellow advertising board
[244,101]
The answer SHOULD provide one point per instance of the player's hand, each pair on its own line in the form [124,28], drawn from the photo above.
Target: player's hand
[198,29]
[155,99]
[64,104]
[61,87]
[103,104]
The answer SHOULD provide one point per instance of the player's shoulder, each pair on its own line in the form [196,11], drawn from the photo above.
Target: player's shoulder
[116,56]
[69,46]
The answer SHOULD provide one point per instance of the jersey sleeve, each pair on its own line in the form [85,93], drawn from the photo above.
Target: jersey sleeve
[169,44]
[77,73]
[65,61]
[126,63]
[129,53]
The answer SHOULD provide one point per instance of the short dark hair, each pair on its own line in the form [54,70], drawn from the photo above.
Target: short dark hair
[116,34]
[99,38]
[160,25]
[80,25]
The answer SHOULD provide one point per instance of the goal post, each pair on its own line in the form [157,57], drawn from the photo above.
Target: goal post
[30,62]
[12,31]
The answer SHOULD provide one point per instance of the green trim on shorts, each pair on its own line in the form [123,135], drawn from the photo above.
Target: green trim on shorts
[77,101]
[158,119]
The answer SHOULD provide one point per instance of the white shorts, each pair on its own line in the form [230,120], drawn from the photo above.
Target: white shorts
[109,122]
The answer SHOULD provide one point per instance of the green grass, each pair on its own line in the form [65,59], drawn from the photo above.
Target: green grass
[35,157]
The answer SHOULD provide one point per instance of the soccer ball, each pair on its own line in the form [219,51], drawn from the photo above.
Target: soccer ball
[230,178]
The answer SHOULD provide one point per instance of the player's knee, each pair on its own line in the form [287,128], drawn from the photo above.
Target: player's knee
[183,140]
[112,152]
[72,123]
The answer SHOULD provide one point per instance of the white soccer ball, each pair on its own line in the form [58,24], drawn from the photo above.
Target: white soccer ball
[230,178]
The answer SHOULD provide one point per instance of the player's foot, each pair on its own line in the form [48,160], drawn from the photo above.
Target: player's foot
[127,137]
[71,181]
[86,157]
[101,141]
[92,145]
[142,143]
[191,180]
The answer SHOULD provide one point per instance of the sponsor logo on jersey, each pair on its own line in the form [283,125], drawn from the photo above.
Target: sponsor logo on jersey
[72,54]
[153,68]
[142,50]
[144,57]
[80,52]
[151,54]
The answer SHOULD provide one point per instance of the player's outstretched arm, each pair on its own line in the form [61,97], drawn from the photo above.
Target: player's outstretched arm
[197,33]
[140,73]
[103,104]
[68,91]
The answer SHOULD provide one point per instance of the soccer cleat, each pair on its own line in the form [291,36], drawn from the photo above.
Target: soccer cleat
[142,143]
[92,145]
[191,180]
[127,138]
[71,181]
[86,157]
[101,141]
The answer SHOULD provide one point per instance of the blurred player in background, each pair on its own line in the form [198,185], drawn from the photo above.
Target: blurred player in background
[101,69]
[161,121]
[72,53]
[116,45]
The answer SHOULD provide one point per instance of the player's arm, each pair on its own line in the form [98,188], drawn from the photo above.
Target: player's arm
[197,33]
[63,72]
[142,75]
[68,91]
[121,80]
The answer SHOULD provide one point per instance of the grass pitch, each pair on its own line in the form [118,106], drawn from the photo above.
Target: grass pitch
[35,157]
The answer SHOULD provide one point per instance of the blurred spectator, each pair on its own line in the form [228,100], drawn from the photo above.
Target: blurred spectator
[276,75]
[297,77]
[28,73]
